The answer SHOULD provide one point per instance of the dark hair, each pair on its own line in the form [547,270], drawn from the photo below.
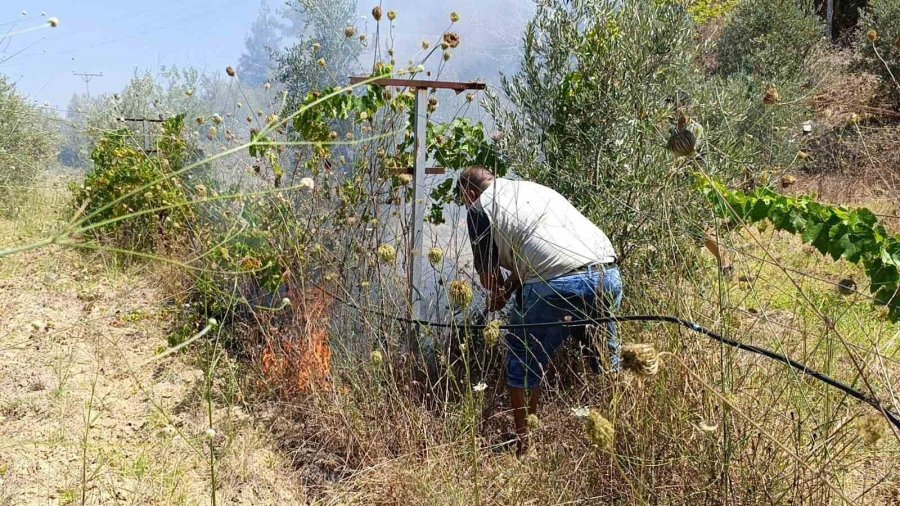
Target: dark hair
[473,178]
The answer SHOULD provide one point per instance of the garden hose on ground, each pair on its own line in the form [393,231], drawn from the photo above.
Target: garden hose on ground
[847,389]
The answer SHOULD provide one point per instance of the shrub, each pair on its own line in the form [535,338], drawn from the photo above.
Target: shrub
[26,144]
[156,209]
[594,109]
[704,11]
[775,41]
[881,56]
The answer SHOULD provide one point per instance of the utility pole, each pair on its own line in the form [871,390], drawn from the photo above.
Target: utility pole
[86,77]
[419,171]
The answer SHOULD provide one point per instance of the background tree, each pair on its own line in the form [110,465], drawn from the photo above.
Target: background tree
[327,49]
[262,43]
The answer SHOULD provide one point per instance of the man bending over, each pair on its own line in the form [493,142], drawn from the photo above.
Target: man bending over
[561,267]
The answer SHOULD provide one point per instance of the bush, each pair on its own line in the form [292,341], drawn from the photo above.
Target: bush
[704,11]
[156,209]
[775,41]
[594,109]
[26,144]
[881,56]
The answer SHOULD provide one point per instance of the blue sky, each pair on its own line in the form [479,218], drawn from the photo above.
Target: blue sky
[116,37]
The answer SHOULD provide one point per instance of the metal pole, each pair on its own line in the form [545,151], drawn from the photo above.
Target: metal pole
[417,225]
[146,130]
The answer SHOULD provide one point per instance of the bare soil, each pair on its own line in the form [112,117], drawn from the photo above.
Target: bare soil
[88,415]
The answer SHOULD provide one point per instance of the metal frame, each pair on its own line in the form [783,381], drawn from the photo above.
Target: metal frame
[418,171]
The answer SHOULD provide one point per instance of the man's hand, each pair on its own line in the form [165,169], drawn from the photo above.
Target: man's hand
[497,300]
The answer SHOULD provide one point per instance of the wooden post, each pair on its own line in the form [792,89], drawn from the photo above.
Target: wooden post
[829,16]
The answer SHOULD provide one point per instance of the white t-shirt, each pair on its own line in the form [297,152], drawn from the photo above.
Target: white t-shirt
[537,233]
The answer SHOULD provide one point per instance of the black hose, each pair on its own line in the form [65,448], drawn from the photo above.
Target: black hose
[847,389]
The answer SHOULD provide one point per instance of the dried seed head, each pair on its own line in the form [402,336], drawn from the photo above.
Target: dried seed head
[492,333]
[212,133]
[771,96]
[454,17]
[682,142]
[189,93]
[640,358]
[376,358]
[853,119]
[425,45]
[230,71]
[363,37]
[533,422]
[871,429]
[846,286]
[267,85]
[201,120]
[217,119]
[405,179]
[435,256]
[432,104]
[387,95]
[600,431]
[332,135]
[321,62]
[210,434]
[387,254]
[350,31]
[451,39]
[460,294]
[53,22]
[392,15]
[447,55]
[788,181]
[380,153]
[307,184]
[376,12]
[872,35]
[470,97]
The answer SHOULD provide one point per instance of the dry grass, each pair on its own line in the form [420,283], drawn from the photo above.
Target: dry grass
[85,414]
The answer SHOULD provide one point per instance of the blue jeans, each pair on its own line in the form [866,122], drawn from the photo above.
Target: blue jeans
[578,297]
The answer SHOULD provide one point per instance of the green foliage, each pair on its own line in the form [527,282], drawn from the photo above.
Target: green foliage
[881,56]
[704,11]
[120,169]
[601,87]
[321,37]
[455,145]
[775,41]
[850,234]
[26,143]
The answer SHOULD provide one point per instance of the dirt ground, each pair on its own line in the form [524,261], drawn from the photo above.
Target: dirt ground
[88,416]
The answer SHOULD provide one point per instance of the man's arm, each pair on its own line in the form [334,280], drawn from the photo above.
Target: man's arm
[487,260]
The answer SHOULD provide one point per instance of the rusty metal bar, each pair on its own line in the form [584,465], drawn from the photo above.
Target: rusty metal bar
[420,83]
